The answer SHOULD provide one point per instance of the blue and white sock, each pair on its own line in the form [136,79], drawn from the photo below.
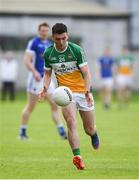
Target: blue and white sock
[61,129]
[23,130]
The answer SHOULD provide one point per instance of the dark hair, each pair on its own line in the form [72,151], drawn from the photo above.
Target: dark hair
[45,24]
[59,28]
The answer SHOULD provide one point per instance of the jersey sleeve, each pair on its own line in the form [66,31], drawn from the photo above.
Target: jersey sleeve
[31,48]
[81,58]
[47,65]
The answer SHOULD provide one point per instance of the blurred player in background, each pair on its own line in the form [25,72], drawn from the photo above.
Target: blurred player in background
[106,62]
[68,62]
[34,61]
[124,77]
[8,75]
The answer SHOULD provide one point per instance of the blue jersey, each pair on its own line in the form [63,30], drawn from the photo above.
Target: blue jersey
[106,63]
[37,47]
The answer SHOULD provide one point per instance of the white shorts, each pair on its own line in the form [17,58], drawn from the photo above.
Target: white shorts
[35,87]
[124,80]
[106,82]
[81,103]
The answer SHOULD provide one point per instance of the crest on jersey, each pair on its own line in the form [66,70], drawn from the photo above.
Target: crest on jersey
[61,58]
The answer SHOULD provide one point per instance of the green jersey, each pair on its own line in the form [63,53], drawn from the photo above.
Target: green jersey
[125,63]
[66,65]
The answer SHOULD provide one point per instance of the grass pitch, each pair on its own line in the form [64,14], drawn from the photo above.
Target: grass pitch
[47,156]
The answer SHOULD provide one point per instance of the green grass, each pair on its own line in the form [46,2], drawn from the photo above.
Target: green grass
[47,156]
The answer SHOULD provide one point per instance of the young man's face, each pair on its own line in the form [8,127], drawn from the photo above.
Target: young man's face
[60,40]
[43,32]
[107,52]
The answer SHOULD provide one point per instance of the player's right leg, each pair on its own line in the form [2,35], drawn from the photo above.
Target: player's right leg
[29,107]
[69,113]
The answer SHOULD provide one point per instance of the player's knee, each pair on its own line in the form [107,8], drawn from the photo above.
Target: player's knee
[89,130]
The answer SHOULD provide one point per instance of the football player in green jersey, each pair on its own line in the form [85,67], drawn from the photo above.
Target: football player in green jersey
[124,77]
[68,62]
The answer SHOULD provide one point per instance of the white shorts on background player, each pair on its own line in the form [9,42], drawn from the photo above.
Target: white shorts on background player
[106,82]
[124,80]
[35,87]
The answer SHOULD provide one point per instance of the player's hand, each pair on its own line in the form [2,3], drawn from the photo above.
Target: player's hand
[89,98]
[42,95]
[37,75]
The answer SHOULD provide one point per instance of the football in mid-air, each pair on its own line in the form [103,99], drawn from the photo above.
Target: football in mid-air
[62,96]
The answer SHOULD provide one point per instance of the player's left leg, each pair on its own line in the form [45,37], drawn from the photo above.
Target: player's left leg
[88,118]
[128,93]
[128,88]
[121,96]
[56,117]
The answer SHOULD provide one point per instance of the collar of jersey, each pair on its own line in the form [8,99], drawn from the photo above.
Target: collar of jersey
[63,50]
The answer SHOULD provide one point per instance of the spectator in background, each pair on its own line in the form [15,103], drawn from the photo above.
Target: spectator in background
[106,62]
[8,75]
[124,77]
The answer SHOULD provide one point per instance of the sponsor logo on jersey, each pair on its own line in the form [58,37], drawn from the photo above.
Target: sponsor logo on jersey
[63,66]
[65,69]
